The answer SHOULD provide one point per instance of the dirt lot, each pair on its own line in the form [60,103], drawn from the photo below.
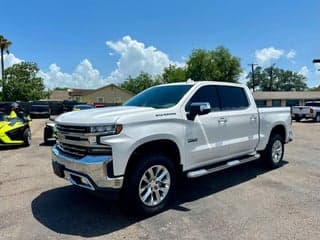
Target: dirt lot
[246,202]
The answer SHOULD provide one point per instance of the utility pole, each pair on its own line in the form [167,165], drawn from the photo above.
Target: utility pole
[271,77]
[253,76]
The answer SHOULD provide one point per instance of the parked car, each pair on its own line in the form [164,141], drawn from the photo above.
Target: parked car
[99,105]
[141,148]
[5,107]
[68,105]
[49,132]
[14,131]
[79,107]
[41,111]
[311,110]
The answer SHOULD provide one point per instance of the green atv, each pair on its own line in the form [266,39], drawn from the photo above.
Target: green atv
[15,131]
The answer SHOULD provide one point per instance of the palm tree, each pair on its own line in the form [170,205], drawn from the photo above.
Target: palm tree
[4,46]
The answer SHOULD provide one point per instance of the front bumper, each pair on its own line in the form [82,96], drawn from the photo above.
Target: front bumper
[89,172]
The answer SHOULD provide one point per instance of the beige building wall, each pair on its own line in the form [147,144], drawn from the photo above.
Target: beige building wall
[108,94]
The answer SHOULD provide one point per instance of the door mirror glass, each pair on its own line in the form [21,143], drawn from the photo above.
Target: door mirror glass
[198,108]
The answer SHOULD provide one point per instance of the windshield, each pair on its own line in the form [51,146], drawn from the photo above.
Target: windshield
[159,97]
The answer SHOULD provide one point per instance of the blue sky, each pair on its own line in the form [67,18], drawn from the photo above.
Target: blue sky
[90,43]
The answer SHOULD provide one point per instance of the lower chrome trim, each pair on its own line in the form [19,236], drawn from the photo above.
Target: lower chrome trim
[93,169]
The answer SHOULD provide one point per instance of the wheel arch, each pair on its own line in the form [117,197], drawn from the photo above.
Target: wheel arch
[279,129]
[164,146]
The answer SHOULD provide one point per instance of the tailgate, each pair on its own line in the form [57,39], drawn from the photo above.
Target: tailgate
[301,110]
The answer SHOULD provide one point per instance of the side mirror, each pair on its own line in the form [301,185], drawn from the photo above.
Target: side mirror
[198,108]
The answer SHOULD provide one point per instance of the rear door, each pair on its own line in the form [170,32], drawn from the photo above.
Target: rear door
[238,119]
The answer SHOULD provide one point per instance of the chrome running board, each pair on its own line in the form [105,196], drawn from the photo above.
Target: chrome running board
[220,166]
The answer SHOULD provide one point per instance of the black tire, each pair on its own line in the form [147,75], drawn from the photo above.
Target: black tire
[269,157]
[45,136]
[317,118]
[131,195]
[27,137]
[298,119]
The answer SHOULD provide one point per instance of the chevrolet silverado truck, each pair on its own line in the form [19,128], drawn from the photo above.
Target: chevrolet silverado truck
[309,110]
[181,129]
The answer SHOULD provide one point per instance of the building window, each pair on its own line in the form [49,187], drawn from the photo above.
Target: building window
[117,100]
[77,98]
[261,103]
[276,103]
[294,102]
[100,99]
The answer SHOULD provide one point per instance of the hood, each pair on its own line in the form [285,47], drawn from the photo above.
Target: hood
[99,115]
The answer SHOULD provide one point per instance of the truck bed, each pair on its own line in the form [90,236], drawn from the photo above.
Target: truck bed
[274,116]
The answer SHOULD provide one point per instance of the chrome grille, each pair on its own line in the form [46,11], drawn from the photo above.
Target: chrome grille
[73,129]
[74,141]
[74,150]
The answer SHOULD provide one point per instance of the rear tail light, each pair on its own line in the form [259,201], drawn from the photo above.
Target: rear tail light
[311,110]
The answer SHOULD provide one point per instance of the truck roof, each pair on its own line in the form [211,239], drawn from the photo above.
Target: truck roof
[191,82]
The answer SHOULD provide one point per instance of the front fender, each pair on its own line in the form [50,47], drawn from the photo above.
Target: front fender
[127,142]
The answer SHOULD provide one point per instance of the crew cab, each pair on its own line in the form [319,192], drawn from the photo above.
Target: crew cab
[190,128]
[309,110]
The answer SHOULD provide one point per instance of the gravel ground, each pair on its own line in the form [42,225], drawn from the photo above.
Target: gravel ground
[246,202]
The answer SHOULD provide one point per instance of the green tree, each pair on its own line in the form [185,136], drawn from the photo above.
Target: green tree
[22,83]
[173,74]
[277,79]
[213,65]
[140,83]
[315,88]
[4,47]
[259,78]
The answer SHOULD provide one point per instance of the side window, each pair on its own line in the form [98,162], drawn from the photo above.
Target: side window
[205,94]
[232,98]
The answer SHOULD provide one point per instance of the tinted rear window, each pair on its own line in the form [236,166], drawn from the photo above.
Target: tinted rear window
[232,98]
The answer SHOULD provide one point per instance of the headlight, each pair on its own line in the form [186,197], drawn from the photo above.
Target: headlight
[107,129]
[50,124]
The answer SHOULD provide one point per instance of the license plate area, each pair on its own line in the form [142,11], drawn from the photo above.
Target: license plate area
[58,169]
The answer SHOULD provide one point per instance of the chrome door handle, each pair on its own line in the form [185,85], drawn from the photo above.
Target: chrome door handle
[222,120]
[253,118]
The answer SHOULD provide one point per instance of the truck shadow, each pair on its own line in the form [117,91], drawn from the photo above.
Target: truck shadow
[72,211]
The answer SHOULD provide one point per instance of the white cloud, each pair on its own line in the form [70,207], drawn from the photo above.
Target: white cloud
[243,78]
[136,57]
[84,76]
[264,56]
[10,59]
[291,54]
[312,75]
[304,71]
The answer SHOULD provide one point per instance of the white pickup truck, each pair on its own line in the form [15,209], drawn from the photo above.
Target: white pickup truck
[309,110]
[191,128]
